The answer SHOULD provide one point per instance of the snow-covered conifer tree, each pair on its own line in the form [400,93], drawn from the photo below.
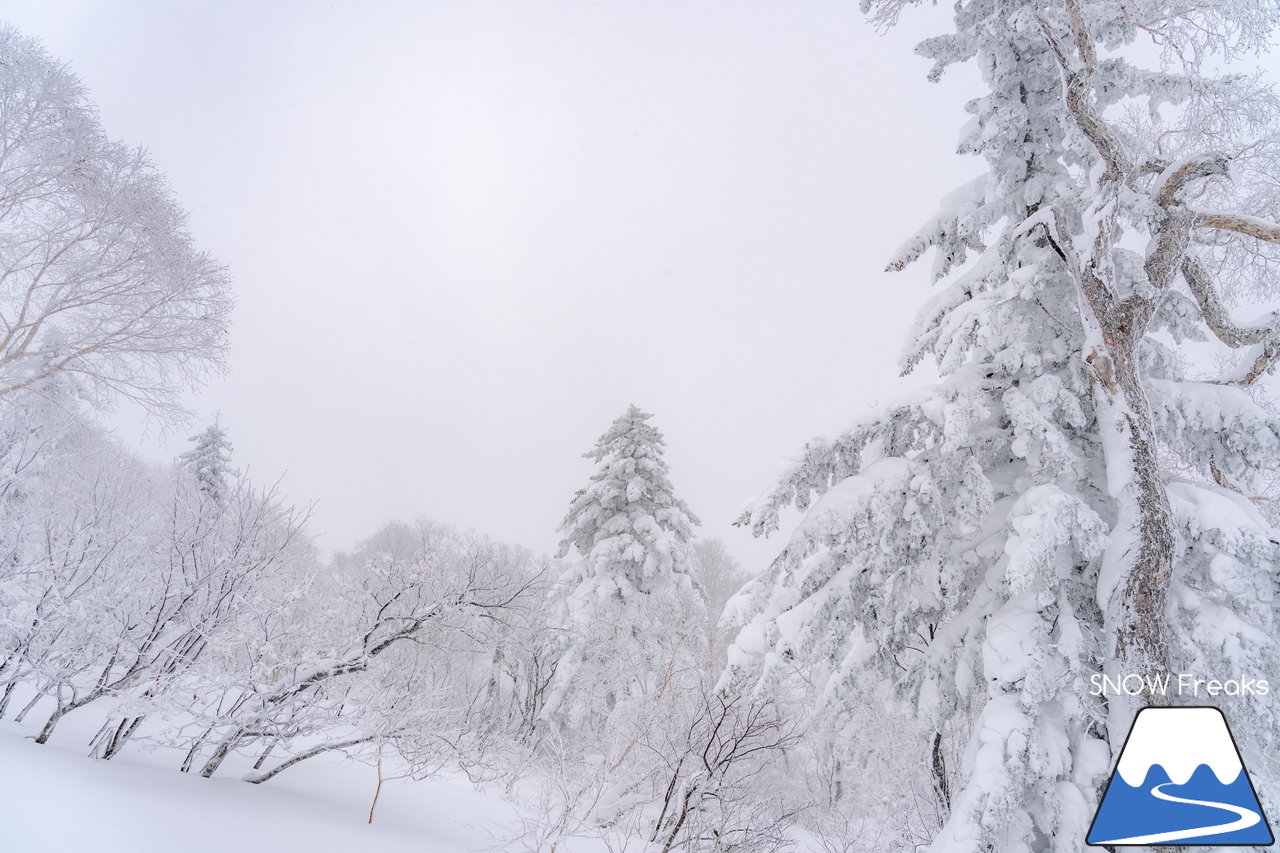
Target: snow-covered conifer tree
[210,461]
[1070,498]
[631,615]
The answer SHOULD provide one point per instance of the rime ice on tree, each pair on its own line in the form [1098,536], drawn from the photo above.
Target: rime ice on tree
[210,460]
[1071,496]
[100,279]
[631,615]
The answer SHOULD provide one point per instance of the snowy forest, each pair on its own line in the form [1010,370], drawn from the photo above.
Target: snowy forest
[1076,483]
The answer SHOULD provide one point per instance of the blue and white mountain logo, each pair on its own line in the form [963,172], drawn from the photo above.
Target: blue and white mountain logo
[1180,781]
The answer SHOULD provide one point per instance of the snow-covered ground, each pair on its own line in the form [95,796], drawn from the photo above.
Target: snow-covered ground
[55,800]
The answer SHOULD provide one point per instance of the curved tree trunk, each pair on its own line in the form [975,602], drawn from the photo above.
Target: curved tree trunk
[52,723]
[4,699]
[63,710]
[220,754]
[190,757]
[258,778]
[111,739]
[26,709]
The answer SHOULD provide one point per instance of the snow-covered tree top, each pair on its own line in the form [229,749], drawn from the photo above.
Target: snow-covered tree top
[210,460]
[629,516]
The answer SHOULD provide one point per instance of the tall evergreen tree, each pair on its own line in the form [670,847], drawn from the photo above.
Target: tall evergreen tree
[1070,498]
[210,461]
[631,615]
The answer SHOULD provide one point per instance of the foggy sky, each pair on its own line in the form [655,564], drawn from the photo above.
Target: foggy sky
[465,235]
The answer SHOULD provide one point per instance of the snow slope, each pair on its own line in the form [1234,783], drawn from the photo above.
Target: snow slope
[57,801]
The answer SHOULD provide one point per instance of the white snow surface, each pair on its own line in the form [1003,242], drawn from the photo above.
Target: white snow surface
[58,801]
[1179,740]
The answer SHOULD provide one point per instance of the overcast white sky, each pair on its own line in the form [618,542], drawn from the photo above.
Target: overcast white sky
[465,235]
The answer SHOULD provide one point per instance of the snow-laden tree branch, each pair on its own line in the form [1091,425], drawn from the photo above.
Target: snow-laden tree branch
[628,613]
[972,555]
[1247,225]
[444,587]
[99,278]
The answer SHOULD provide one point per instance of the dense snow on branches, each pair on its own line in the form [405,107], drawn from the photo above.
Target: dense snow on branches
[1088,489]
[629,610]
[1071,497]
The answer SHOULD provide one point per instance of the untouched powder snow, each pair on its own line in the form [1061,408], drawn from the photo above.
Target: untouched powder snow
[58,801]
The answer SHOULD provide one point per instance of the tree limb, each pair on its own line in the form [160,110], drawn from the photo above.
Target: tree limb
[1215,313]
[1247,225]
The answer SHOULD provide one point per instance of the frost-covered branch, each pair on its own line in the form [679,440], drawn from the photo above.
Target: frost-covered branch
[1249,226]
[1216,315]
[98,276]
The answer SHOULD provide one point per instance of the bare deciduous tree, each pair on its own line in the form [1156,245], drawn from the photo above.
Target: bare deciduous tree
[721,577]
[713,798]
[446,586]
[98,275]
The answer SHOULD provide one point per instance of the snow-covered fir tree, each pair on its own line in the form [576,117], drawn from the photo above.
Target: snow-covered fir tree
[1071,497]
[630,615]
[210,461]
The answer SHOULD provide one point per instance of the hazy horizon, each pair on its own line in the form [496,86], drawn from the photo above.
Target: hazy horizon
[465,237]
